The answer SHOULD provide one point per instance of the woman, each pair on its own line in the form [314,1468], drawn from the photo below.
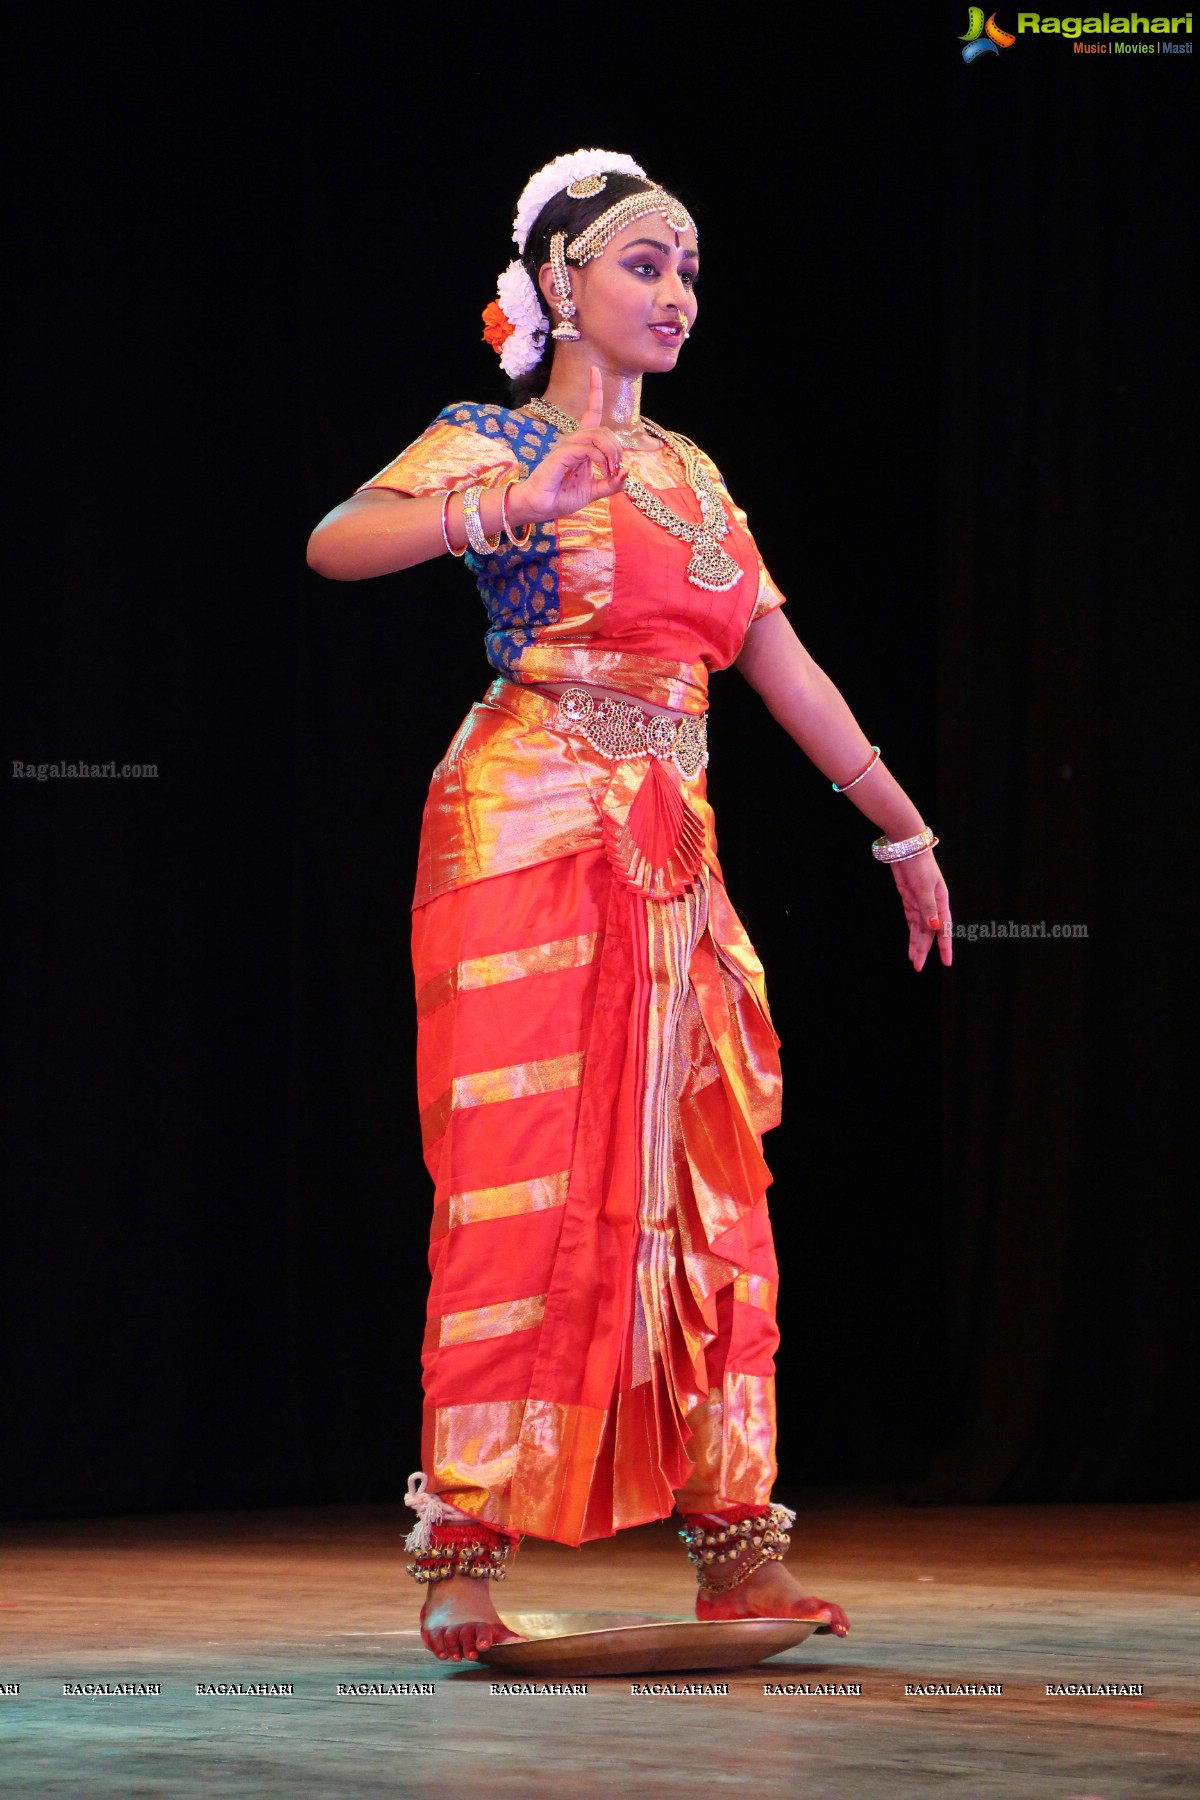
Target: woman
[596,1060]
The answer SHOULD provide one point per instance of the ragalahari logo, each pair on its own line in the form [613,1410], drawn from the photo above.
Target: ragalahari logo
[982,39]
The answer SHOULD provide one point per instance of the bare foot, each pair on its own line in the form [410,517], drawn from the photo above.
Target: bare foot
[459,1618]
[771,1593]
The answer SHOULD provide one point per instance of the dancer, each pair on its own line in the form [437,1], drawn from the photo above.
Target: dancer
[596,1060]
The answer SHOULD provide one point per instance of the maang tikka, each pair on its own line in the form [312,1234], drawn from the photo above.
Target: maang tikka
[564,331]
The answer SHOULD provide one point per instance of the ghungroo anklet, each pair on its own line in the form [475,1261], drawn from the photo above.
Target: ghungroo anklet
[461,1550]
[446,1541]
[747,1543]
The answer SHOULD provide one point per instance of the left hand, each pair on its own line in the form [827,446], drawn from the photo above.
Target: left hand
[926,907]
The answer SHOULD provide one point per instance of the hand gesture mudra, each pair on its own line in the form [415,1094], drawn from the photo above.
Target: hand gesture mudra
[926,908]
[588,465]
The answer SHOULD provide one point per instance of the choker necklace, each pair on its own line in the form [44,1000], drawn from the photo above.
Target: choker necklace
[709,566]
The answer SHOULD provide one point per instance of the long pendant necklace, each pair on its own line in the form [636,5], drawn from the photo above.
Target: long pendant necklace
[709,566]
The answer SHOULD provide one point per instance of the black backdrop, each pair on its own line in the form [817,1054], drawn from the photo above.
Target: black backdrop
[944,361]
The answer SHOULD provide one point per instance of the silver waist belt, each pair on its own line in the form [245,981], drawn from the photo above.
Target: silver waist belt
[619,730]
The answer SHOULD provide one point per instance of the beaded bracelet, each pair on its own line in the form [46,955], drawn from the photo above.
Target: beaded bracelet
[477,537]
[904,849]
[450,492]
[518,543]
[845,789]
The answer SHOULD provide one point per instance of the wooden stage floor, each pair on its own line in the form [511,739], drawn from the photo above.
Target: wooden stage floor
[1020,1598]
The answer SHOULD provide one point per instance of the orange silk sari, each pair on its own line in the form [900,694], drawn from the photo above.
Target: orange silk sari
[596,1061]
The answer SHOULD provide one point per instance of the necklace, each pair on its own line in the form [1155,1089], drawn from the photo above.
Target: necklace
[709,566]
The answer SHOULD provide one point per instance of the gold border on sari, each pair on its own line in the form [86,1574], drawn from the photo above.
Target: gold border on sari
[506,965]
[474,1207]
[498,1320]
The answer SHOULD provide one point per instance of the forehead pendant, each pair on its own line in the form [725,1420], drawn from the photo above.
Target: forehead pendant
[595,238]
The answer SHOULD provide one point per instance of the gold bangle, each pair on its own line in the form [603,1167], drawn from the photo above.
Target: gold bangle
[445,531]
[477,537]
[518,543]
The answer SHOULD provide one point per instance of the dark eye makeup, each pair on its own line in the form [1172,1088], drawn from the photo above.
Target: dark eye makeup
[689,276]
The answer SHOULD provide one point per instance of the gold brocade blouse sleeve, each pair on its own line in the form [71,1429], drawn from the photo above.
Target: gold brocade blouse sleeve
[455,451]
[770,595]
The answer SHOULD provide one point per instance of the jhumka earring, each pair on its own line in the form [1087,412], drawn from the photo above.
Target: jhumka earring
[564,331]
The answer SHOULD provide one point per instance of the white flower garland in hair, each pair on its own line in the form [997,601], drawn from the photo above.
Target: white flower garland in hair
[558,175]
[519,303]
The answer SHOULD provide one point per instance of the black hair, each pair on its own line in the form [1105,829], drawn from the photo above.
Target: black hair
[561,213]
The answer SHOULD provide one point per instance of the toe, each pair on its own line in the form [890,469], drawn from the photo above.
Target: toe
[837,1622]
[468,1639]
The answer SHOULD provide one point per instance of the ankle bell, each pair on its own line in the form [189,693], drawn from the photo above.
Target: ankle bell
[747,1544]
[473,1550]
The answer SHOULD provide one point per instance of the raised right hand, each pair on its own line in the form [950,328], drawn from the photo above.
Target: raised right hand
[588,465]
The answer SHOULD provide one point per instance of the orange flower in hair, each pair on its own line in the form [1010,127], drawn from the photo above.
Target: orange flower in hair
[497,326]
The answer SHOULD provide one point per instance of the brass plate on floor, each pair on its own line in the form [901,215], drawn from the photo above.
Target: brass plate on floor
[564,1645]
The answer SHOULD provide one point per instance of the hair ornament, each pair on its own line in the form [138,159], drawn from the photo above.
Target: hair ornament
[564,172]
[515,325]
[586,186]
[595,238]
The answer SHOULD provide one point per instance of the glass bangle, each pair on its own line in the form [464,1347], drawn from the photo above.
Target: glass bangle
[846,786]
[450,492]
[518,543]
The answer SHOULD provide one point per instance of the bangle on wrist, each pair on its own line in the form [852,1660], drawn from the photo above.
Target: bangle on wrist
[477,537]
[846,786]
[885,850]
[450,492]
[518,543]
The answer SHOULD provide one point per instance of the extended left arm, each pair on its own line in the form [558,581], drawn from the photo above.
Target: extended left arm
[812,712]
